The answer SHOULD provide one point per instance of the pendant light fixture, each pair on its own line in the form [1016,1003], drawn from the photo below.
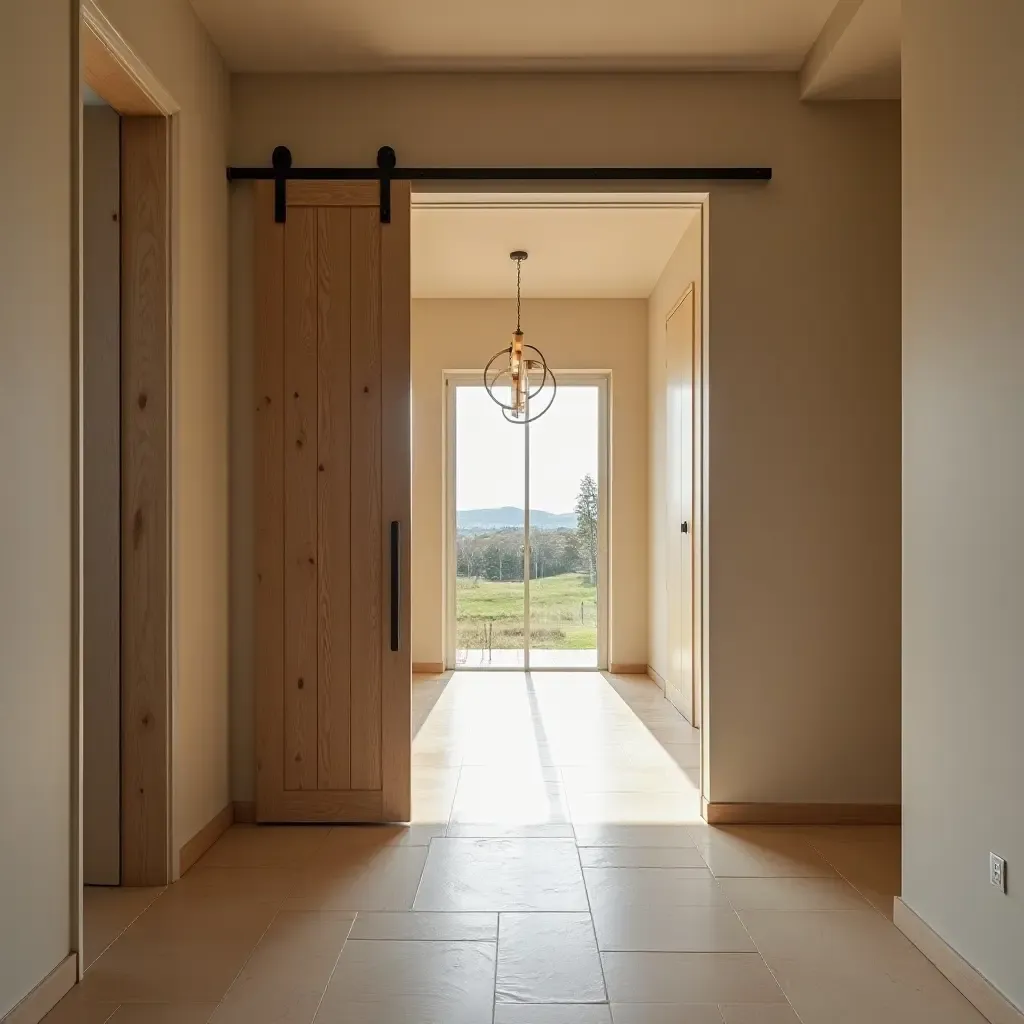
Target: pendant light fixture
[525,363]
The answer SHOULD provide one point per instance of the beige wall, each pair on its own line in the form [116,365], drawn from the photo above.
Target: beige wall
[573,334]
[963,476]
[168,36]
[35,511]
[804,295]
[683,269]
[101,486]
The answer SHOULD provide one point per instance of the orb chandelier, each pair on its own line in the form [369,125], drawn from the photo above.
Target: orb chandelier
[526,363]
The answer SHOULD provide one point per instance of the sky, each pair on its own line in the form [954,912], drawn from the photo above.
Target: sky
[490,453]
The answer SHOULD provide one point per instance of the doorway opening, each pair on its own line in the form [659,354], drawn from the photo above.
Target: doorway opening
[123,470]
[527,573]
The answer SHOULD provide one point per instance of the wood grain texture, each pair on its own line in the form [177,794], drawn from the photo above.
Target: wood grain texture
[333,193]
[368,534]
[326,806]
[205,838]
[333,495]
[801,814]
[627,670]
[101,484]
[268,496]
[145,497]
[396,677]
[300,508]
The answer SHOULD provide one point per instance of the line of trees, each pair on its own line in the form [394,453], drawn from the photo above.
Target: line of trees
[498,556]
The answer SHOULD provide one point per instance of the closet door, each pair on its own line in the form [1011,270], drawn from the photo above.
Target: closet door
[332,470]
[679,406]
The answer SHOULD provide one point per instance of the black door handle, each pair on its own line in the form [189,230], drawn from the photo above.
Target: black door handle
[685,528]
[396,578]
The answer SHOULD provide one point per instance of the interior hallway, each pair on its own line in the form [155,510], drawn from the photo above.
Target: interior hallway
[557,872]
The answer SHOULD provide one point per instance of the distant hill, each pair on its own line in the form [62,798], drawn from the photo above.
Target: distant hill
[481,520]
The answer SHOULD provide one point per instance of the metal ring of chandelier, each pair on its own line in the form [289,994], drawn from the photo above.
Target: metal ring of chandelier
[519,367]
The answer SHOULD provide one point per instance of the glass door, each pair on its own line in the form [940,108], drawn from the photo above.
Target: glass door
[489,534]
[527,530]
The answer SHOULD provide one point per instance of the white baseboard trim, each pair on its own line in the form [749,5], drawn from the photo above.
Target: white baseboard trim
[46,995]
[988,1000]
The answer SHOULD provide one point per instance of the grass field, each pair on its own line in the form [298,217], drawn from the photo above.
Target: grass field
[563,613]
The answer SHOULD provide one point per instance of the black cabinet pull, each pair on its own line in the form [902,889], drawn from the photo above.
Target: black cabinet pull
[396,576]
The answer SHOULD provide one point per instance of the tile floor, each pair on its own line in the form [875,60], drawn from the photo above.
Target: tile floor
[557,872]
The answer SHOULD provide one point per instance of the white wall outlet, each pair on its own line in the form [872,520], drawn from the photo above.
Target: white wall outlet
[997,871]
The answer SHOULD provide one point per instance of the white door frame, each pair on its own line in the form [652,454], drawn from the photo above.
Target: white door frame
[566,378]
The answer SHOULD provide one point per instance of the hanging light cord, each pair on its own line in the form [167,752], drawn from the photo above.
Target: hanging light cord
[519,295]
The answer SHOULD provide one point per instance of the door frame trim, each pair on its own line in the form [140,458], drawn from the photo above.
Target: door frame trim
[102,59]
[602,379]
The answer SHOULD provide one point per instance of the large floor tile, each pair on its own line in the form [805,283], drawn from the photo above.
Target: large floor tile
[673,887]
[505,830]
[793,894]
[427,926]
[868,857]
[689,978]
[249,846]
[752,1013]
[842,968]
[386,880]
[663,910]
[401,982]
[639,835]
[560,1013]
[548,958]
[607,777]
[209,883]
[668,929]
[510,797]
[109,910]
[761,853]
[641,857]
[665,1013]
[634,808]
[179,951]
[285,978]
[348,841]
[163,1013]
[73,1009]
[502,875]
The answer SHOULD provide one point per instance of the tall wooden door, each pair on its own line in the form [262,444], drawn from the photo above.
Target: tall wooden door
[332,461]
[679,352]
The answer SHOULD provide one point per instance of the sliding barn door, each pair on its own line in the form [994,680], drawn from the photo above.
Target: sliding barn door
[332,466]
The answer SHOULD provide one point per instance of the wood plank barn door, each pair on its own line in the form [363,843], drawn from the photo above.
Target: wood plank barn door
[332,478]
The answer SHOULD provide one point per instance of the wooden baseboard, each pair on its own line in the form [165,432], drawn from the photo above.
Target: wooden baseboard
[627,670]
[245,812]
[800,814]
[990,1002]
[205,838]
[427,668]
[46,995]
[657,678]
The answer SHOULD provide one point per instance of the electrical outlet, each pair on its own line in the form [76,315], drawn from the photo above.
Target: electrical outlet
[997,871]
